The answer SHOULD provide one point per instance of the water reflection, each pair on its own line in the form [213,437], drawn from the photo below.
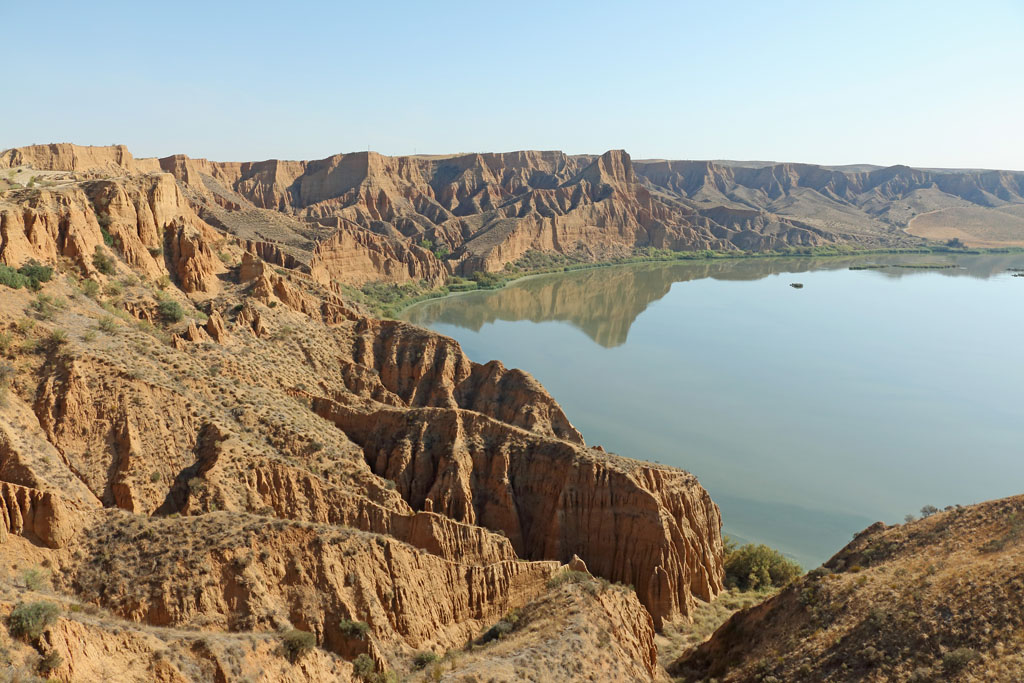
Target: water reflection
[605,302]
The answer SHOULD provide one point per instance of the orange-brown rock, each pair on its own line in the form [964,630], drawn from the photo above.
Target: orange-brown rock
[37,515]
[481,471]
[354,256]
[315,464]
[580,630]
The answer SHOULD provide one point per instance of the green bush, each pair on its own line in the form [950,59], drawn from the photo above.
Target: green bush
[102,262]
[297,643]
[487,280]
[757,567]
[363,666]
[170,311]
[90,288]
[36,272]
[46,306]
[35,579]
[354,629]
[50,662]
[30,620]
[9,277]
[423,659]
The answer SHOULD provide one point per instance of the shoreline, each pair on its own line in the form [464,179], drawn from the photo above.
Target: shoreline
[690,256]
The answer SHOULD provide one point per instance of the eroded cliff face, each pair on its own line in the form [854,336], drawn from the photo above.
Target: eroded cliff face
[277,459]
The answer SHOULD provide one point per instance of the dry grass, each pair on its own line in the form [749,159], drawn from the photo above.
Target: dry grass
[707,617]
[975,226]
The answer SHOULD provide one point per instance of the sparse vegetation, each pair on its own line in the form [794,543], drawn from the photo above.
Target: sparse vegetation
[363,666]
[354,629]
[422,660]
[35,579]
[30,620]
[170,311]
[102,262]
[50,662]
[297,643]
[90,288]
[45,306]
[30,275]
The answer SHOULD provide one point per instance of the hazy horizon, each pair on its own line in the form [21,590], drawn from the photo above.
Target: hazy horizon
[799,82]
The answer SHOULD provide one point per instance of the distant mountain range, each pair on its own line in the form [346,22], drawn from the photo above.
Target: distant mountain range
[420,217]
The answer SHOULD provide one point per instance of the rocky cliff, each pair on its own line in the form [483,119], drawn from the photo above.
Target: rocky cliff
[364,217]
[196,441]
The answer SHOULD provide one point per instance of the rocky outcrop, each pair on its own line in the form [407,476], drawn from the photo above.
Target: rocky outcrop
[603,633]
[286,461]
[312,576]
[354,256]
[37,515]
[69,157]
[90,647]
[549,497]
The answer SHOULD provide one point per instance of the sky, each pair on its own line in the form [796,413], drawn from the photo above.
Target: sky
[932,84]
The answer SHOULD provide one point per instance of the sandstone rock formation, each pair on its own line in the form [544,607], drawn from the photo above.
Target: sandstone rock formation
[277,460]
[362,217]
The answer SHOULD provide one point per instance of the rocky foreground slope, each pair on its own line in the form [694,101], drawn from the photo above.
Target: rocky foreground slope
[938,599]
[218,468]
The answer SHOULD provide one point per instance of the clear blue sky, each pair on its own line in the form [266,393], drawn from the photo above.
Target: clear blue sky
[923,83]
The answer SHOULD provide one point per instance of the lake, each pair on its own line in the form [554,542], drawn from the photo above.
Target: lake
[807,413]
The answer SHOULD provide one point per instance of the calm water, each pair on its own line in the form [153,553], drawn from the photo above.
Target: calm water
[807,413]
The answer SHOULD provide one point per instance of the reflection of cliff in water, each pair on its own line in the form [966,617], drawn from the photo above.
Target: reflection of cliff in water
[604,302]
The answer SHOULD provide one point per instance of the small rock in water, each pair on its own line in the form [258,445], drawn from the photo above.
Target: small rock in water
[796,285]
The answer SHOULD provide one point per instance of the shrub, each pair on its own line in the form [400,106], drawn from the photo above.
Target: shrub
[487,280]
[757,567]
[12,278]
[35,579]
[36,272]
[45,306]
[30,620]
[50,662]
[57,338]
[297,643]
[928,510]
[957,660]
[354,629]
[102,262]
[568,576]
[363,666]
[156,251]
[107,324]
[5,342]
[170,311]
[422,659]
[90,288]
